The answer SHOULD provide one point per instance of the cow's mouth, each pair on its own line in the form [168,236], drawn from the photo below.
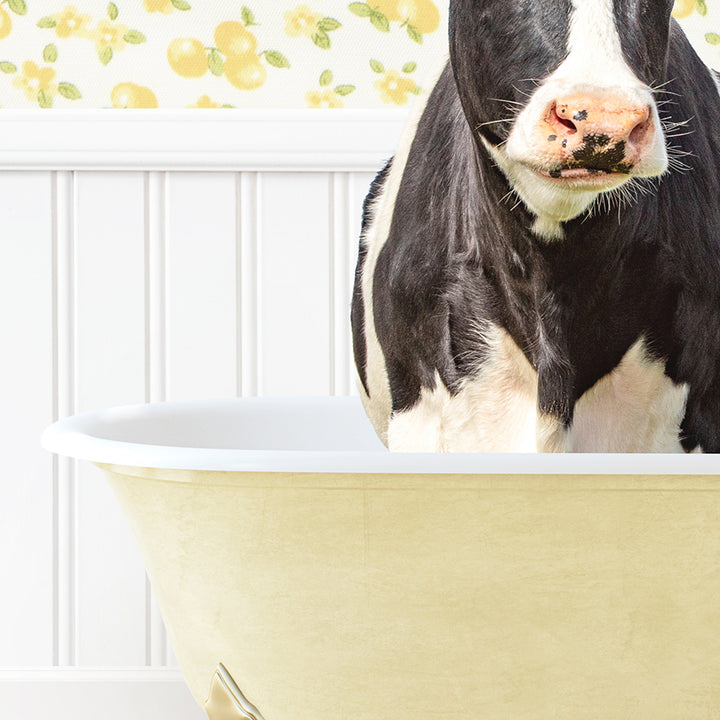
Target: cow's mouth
[583,177]
[574,173]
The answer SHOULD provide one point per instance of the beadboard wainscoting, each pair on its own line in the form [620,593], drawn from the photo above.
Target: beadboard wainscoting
[149,256]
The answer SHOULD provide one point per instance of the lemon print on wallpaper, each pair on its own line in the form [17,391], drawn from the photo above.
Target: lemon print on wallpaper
[235,55]
[417,17]
[16,6]
[685,8]
[165,6]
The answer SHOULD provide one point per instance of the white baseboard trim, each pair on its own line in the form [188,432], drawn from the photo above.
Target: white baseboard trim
[89,694]
[213,140]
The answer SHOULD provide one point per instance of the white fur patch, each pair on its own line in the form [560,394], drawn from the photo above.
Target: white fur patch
[635,408]
[493,412]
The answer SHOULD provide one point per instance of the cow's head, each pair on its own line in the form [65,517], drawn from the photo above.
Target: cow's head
[561,93]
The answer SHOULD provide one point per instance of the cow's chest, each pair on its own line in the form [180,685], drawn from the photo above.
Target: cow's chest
[635,408]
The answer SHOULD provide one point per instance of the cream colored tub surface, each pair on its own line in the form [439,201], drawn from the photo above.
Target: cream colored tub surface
[364,585]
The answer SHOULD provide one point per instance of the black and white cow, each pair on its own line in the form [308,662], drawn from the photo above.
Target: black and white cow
[539,266]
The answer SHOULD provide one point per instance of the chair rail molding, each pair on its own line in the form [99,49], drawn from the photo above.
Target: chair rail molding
[229,139]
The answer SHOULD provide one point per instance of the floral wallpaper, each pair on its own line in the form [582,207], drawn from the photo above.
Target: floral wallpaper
[238,53]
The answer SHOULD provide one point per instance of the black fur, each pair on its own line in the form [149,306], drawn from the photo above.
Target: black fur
[457,258]
[357,311]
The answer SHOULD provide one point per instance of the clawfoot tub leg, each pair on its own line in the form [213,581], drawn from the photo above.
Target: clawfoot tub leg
[226,702]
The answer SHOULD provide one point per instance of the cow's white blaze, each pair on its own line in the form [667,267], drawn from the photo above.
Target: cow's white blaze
[594,62]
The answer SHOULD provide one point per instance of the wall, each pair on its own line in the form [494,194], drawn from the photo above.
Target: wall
[161,256]
[129,276]
[194,53]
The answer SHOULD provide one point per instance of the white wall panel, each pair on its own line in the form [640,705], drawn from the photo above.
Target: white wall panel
[26,405]
[201,294]
[110,370]
[230,274]
[295,288]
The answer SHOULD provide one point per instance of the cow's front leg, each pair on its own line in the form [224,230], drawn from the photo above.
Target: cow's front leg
[555,407]
[420,428]
[551,434]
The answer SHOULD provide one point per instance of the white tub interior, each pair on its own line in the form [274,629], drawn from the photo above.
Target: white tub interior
[323,434]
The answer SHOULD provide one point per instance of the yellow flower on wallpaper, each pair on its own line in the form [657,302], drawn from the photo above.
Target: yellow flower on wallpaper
[327,97]
[71,22]
[323,99]
[108,34]
[394,88]
[130,95]
[301,21]
[36,82]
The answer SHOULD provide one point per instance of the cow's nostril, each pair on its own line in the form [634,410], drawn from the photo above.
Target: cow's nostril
[640,131]
[559,118]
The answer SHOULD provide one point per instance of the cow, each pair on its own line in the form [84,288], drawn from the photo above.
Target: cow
[539,262]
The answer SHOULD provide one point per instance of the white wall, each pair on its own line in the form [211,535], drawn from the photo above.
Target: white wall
[161,258]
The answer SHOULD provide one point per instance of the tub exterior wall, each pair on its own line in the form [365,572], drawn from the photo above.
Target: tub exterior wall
[145,278]
[397,597]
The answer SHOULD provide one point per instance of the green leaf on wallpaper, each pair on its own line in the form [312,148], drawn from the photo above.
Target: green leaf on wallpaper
[377,66]
[413,34]
[44,100]
[416,90]
[326,78]
[216,63]
[322,40]
[112,11]
[18,6]
[105,55]
[380,21]
[344,89]
[69,91]
[328,24]
[276,59]
[360,9]
[409,67]
[701,7]
[134,37]
[248,17]
[8,68]
[50,53]
[712,38]
[181,5]
[46,22]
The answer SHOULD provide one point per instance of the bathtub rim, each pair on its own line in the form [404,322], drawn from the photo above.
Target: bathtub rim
[73,437]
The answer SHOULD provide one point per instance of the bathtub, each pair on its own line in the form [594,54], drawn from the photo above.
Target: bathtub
[305,573]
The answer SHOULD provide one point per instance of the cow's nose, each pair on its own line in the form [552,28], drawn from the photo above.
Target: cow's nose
[601,130]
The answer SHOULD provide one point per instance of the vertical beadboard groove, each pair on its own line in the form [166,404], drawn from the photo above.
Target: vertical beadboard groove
[340,229]
[249,187]
[334,193]
[64,486]
[155,194]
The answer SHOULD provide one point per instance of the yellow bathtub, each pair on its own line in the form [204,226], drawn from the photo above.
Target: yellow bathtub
[305,573]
